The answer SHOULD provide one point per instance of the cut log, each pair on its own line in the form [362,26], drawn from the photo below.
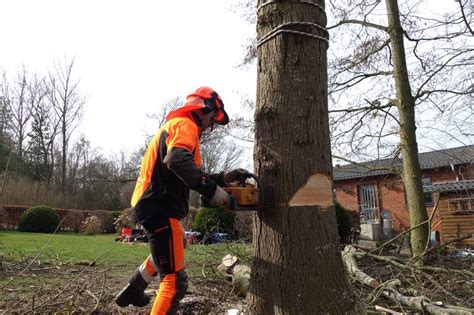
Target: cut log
[229,260]
[239,274]
[240,280]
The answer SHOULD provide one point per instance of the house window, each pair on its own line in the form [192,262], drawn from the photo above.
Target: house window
[426,181]
[368,203]
[429,200]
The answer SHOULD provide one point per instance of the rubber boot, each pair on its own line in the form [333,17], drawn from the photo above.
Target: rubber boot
[133,293]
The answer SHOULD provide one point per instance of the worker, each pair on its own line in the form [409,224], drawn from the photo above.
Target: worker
[170,168]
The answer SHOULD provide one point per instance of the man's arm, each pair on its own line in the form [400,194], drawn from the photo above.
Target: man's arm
[181,162]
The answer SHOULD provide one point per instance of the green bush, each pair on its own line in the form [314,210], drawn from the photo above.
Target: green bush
[214,220]
[344,225]
[39,219]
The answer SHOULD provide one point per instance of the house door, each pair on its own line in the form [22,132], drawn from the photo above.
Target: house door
[368,204]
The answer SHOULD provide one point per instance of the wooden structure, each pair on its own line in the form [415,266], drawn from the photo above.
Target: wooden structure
[456,217]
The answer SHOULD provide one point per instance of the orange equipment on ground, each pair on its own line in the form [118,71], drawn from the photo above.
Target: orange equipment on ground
[126,233]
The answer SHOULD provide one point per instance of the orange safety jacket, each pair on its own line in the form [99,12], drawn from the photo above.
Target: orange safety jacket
[162,190]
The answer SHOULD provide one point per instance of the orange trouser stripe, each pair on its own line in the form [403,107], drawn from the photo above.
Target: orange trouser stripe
[178,245]
[165,296]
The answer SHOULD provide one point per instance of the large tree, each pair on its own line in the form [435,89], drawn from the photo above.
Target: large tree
[390,79]
[68,104]
[297,266]
[408,144]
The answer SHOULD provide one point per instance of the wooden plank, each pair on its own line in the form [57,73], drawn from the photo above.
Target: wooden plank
[459,218]
[455,230]
[455,227]
[456,224]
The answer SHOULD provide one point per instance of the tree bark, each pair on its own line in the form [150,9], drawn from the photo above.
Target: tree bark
[297,266]
[408,144]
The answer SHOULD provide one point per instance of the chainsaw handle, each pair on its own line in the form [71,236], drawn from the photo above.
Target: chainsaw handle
[261,190]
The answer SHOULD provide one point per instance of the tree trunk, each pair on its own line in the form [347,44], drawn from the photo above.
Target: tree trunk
[64,151]
[408,144]
[297,266]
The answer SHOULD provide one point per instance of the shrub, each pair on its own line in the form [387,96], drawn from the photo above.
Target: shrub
[39,219]
[114,216]
[107,219]
[92,225]
[344,226]
[243,226]
[214,220]
[73,220]
[188,221]
[124,218]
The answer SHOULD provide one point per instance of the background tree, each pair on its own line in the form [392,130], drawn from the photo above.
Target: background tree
[382,91]
[94,181]
[5,115]
[68,105]
[43,131]
[364,114]
[18,109]
[297,266]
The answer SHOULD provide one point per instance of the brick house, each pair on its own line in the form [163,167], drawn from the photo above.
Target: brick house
[375,189]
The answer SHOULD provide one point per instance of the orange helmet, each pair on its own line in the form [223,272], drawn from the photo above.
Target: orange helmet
[203,98]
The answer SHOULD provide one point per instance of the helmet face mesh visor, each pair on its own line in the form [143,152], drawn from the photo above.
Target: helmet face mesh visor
[206,99]
[214,103]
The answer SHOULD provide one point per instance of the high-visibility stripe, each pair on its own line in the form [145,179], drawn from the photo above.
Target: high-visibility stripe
[178,244]
[150,266]
[146,170]
[148,269]
[166,294]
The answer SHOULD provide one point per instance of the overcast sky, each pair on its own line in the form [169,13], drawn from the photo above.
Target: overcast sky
[134,56]
[131,56]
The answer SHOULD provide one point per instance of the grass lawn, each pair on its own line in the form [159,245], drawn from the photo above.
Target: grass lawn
[54,282]
[65,246]
[79,248]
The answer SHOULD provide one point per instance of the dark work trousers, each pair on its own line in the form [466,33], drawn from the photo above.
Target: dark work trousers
[167,260]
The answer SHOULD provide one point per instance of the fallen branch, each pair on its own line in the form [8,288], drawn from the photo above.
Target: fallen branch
[390,291]
[348,256]
[383,309]
[100,295]
[457,239]
[464,273]
[422,303]
[70,283]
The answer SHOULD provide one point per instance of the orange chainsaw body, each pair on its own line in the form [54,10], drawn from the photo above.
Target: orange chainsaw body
[245,195]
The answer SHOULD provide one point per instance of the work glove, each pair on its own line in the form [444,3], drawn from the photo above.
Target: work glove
[220,197]
[238,174]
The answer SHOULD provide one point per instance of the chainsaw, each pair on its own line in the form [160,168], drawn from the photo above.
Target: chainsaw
[246,196]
